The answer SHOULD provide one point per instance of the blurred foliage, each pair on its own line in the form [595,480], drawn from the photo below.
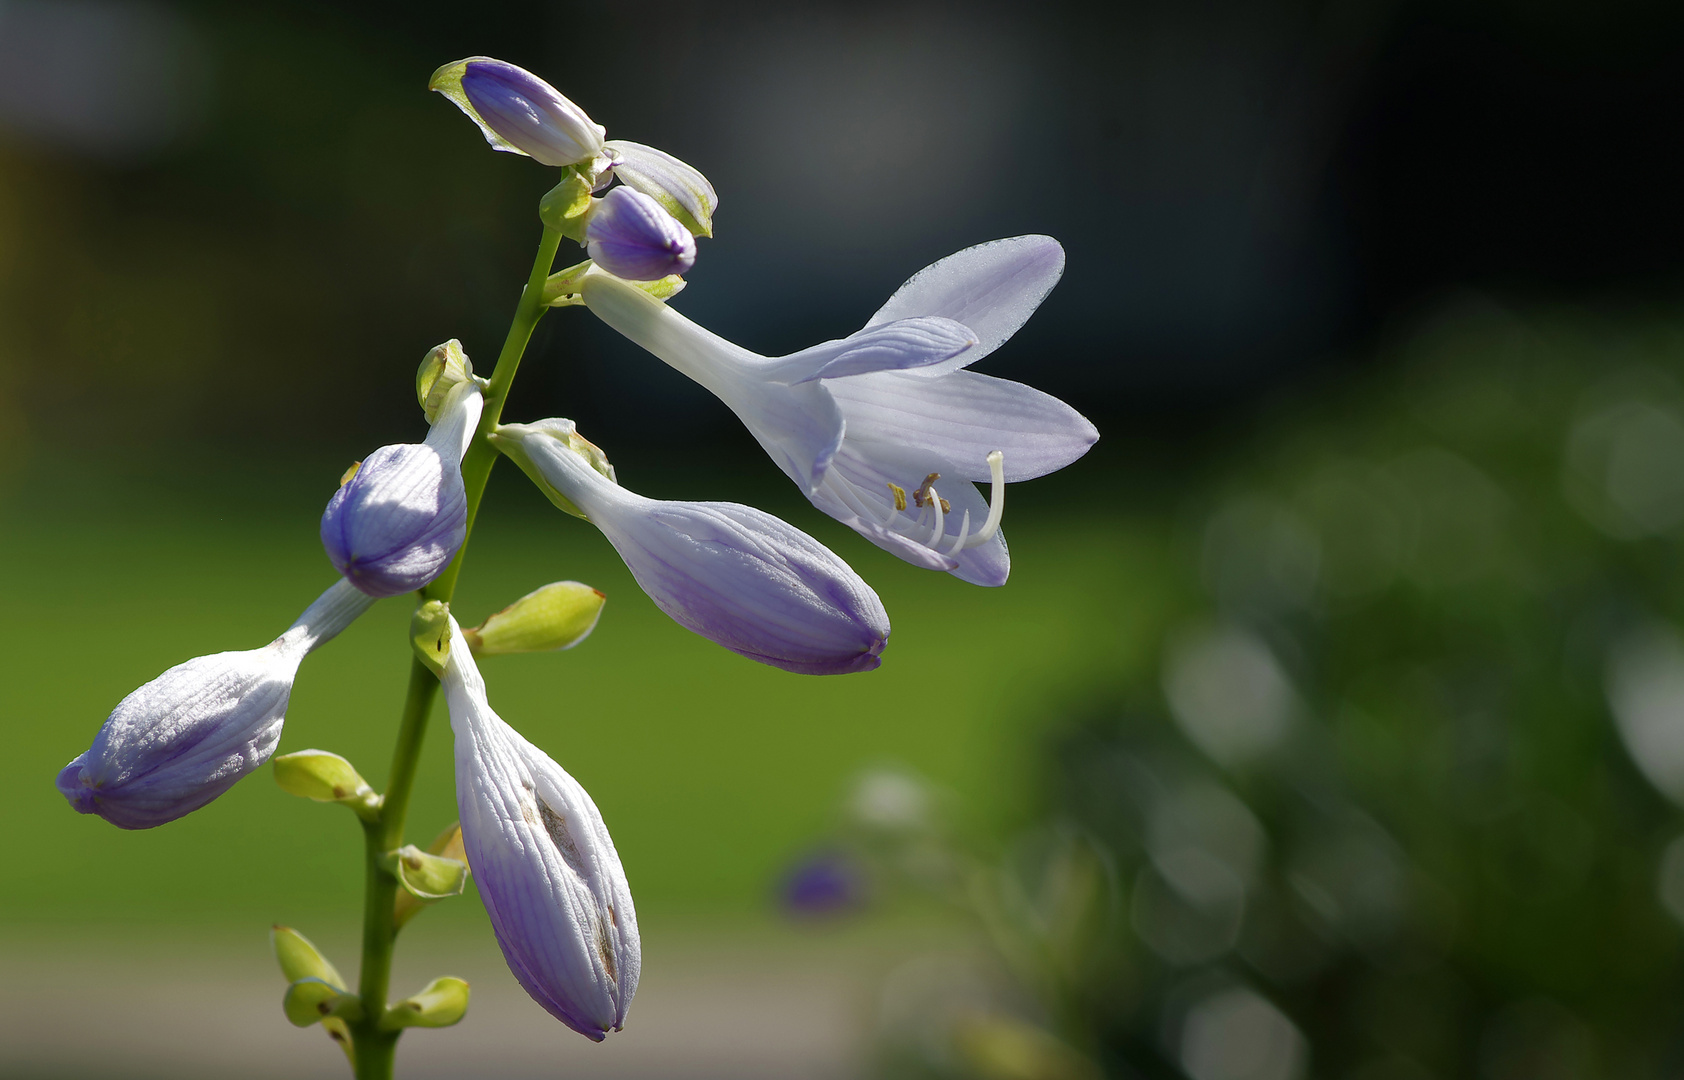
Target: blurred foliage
[1365,809]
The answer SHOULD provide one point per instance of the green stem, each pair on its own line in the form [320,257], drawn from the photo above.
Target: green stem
[374,1048]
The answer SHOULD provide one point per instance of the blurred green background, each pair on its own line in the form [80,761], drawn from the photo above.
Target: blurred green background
[1332,721]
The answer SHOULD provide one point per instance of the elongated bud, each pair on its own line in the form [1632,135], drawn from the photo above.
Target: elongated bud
[544,863]
[310,1001]
[519,112]
[680,189]
[326,777]
[299,959]
[443,369]
[566,287]
[429,634]
[447,844]
[426,876]
[396,524]
[632,237]
[736,575]
[557,616]
[185,737]
[441,1003]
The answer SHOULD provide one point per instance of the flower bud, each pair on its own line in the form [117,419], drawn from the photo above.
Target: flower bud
[426,876]
[519,112]
[185,737]
[442,369]
[440,1003]
[680,189]
[557,616]
[326,777]
[546,868]
[406,905]
[736,575]
[300,959]
[400,519]
[632,237]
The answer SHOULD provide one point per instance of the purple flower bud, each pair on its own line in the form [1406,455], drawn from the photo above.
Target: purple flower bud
[824,884]
[184,738]
[545,865]
[632,237]
[519,112]
[733,574]
[400,519]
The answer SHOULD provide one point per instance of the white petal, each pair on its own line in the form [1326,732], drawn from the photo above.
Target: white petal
[962,418]
[680,188]
[991,288]
[924,343]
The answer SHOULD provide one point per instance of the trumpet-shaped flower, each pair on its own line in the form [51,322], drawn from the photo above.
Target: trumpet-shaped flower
[884,430]
[632,236]
[518,112]
[544,863]
[402,516]
[736,575]
[184,738]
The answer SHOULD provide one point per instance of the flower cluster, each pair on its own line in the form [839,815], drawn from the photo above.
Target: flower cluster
[885,430]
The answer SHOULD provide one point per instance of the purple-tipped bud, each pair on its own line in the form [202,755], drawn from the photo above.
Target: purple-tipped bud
[401,517]
[733,574]
[519,112]
[544,863]
[185,737]
[632,237]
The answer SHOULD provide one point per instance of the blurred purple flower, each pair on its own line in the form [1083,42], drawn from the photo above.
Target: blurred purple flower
[736,575]
[185,737]
[867,424]
[544,863]
[518,112]
[823,884]
[395,524]
[631,236]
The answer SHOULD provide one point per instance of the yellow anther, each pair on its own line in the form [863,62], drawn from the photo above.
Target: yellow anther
[352,471]
[900,495]
[922,495]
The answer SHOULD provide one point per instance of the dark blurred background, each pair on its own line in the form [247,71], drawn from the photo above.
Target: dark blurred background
[1332,723]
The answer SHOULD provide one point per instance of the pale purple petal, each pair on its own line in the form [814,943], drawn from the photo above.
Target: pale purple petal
[631,237]
[681,188]
[909,343]
[992,288]
[964,417]
[527,115]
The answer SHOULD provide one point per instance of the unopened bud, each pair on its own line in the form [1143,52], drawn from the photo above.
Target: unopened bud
[427,876]
[447,844]
[441,370]
[565,287]
[632,236]
[326,777]
[557,616]
[519,112]
[441,1003]
[300,959]
[567,206]
[429,634]
[310,1001]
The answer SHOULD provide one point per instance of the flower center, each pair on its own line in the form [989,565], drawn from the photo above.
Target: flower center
[933,511]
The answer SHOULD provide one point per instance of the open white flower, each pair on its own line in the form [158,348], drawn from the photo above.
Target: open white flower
[884,430]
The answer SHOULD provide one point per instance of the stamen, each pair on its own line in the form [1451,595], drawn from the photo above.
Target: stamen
[899,494]
[996,499]
[855,500]
[964,531]
[922,495]
[937,503]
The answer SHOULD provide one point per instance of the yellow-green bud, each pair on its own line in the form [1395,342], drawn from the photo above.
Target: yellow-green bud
[442,369]
[557,616]
[310,1001]
[562,288]
[325,777]
[429,634]
[427,876]
[299,959]
[566,206]
[447,844]
[441,1003]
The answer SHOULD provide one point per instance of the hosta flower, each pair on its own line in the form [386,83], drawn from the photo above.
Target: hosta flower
[401,517]
[184,738]
[519,112]
[631,236]
[736,575]
[883,430]
[544,863]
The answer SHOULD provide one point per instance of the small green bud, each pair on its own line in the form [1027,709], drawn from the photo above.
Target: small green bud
[427,876]
[447,844]
[557,616]
[326,777]
[441,1003]
[309,1001]
[429,635]
[442,370]
[565,207]
[563,287]
[300,959]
